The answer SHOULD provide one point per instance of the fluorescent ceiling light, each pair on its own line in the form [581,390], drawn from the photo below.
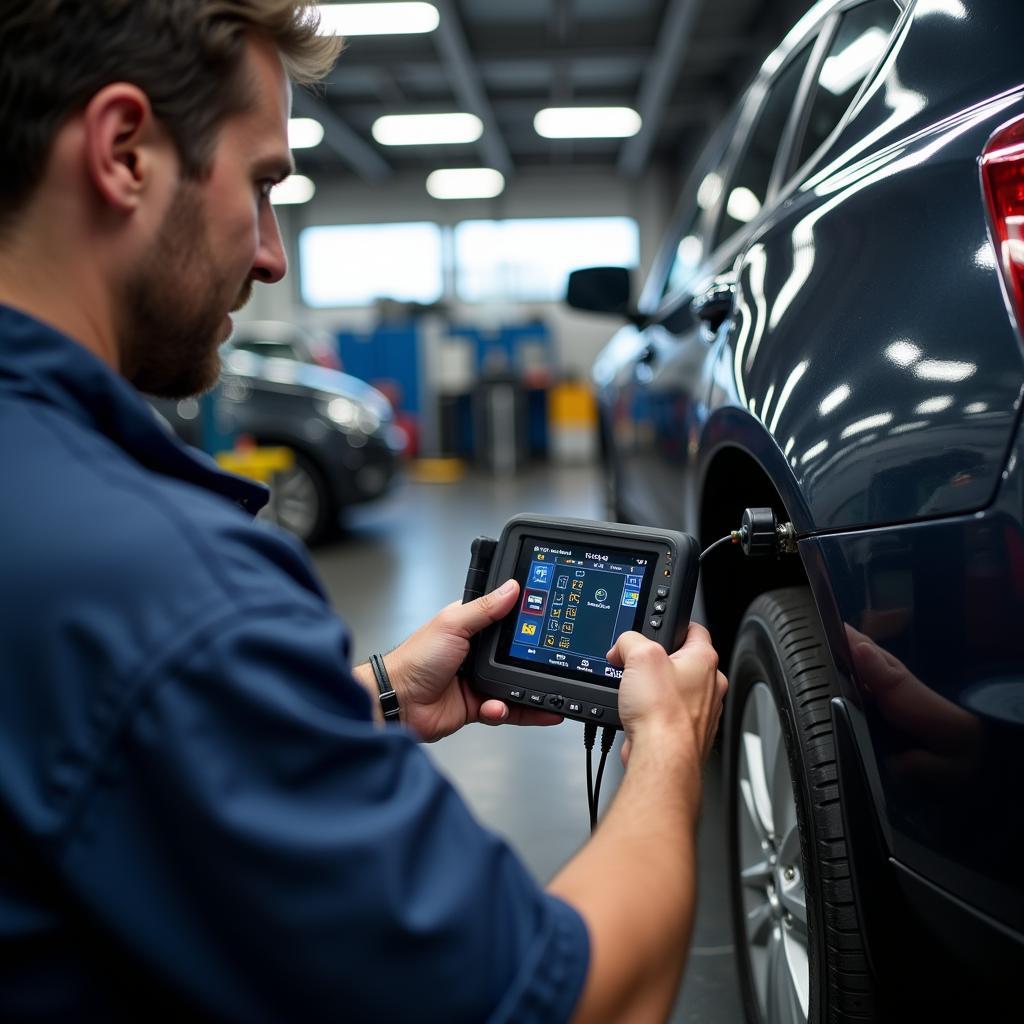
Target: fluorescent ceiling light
[304,133]
[466,183]
[427,129]
[377,19]
[587,122]
[295,189]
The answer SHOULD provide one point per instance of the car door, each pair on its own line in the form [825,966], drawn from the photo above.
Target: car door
[659,398]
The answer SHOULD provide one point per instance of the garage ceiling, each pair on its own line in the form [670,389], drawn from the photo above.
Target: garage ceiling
[681,63]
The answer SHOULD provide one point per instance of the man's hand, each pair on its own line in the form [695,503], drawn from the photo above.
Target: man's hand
[640,926]
[434,701]
[680,692]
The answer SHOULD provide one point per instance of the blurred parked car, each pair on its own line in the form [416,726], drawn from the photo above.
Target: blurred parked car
[832,330]
[341,429]
[276,338]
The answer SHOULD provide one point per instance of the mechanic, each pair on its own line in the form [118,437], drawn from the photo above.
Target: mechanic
[202,815]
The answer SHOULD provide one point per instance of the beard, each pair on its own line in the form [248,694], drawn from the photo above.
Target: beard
[174,307]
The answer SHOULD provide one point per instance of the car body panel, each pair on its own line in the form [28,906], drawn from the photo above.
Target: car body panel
[871,368]
[918,386]
[941,728]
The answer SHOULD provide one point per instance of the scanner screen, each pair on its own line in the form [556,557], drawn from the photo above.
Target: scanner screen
[575,602]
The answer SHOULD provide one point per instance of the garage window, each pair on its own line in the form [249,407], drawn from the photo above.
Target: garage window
[355,265]
[529,260]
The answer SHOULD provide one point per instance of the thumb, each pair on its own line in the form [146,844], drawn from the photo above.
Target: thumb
[470,618]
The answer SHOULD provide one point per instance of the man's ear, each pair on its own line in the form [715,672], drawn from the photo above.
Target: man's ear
[123,144]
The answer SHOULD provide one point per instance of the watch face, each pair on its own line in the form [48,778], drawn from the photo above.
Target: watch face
[576,600]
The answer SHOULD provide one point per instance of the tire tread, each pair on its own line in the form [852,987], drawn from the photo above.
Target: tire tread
[790,620]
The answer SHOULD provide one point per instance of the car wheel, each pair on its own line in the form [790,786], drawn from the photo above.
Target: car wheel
[799,949]
[303,503]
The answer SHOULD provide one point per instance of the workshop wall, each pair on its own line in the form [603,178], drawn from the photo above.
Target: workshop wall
[548,193]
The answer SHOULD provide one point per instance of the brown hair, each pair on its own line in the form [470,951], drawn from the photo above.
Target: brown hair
[186,55]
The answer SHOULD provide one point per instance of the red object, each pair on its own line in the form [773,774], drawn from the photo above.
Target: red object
[1002,174]
[410,426]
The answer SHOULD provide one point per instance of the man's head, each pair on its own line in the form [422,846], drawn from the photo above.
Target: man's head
[157,127]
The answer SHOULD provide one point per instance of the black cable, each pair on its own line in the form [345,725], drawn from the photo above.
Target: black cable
[589,736]
[607,739]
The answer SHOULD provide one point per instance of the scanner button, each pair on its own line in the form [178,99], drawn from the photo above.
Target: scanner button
[656,622]
[574,707]
[595,711]
[518,694]
[662,593]
[556,701]
[659,607]
[536,698]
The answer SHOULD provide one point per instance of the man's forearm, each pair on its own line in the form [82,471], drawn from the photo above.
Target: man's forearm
[634,884]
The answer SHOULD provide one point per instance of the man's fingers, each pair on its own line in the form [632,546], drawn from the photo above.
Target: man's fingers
[469,619]
[496,712]
[697,634]
[628,646]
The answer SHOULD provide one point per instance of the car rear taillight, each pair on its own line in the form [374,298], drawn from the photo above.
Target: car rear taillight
[1002,175]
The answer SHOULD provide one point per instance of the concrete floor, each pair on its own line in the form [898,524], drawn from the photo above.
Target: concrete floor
[401,560]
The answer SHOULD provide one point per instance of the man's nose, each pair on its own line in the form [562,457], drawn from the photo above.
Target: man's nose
[271,263]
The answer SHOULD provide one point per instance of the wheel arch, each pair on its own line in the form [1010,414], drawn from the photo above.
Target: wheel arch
[743,468]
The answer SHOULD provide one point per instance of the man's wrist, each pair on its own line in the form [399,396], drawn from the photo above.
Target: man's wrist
[363,675]
[387,696]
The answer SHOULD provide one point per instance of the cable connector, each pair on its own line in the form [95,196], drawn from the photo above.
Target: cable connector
[759,534]
[762,534]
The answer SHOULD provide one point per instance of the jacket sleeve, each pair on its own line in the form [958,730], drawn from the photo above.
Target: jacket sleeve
[261,846]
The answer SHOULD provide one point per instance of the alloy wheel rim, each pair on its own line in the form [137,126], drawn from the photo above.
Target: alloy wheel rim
[298,502]
[771,872]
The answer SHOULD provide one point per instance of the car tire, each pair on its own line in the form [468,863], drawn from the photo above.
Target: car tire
[303,503]
[799,950]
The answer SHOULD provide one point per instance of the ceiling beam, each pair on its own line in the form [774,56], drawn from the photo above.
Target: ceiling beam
[659,78]
[711,54]
[341,139]
[468,86]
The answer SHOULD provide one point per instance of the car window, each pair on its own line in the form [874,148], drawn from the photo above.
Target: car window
[748,187]
[689,252]
[861,39]
[268,349]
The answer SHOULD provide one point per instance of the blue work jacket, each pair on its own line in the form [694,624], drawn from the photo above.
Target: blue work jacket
[198,817]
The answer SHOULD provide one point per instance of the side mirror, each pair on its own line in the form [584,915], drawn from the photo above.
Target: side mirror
[602,290]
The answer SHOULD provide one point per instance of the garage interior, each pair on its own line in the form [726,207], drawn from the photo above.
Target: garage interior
[679,64]
[713,313]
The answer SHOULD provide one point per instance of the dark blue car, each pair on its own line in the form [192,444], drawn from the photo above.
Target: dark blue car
[832,330]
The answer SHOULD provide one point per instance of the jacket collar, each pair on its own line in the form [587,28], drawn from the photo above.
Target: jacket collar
[40,363]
